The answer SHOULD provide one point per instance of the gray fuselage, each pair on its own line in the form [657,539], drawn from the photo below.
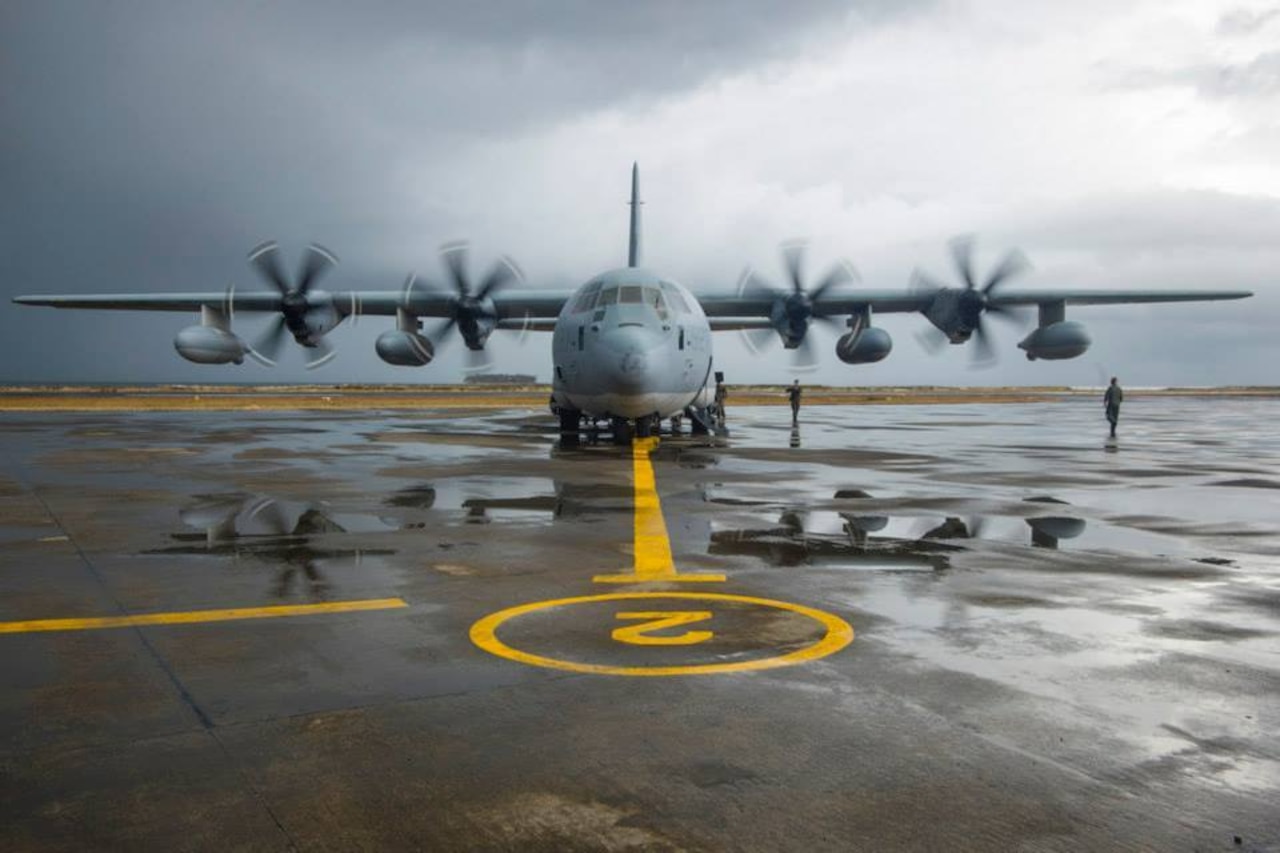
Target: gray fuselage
[630,343]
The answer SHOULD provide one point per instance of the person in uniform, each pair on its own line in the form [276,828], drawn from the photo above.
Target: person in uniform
[794,393]
[721,394]
[1111,403]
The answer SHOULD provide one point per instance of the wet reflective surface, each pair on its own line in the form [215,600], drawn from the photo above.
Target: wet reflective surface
[1059,642]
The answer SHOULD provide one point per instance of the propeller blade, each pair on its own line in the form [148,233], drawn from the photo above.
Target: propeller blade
[793,259]
[270,514]
[802,357]
[983,353]
[1007,313]
[455,260]
[1013,264]
[443,331]
[406,293]
[267,347]
[229,302]
[758,339]
[962,254]
[842,273]
[265,259]
[503,273]
[323,353]
[922,281]
[931,339]
[475,360]
[315,263]
[755,287]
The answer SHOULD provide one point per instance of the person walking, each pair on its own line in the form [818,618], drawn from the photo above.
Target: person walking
[794,393]
[1111,403]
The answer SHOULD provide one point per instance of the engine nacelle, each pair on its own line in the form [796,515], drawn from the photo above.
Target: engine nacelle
[406,349]
[1065,339]
[867,346]
[209,345]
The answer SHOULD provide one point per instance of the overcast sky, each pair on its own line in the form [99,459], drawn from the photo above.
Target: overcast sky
[148,146]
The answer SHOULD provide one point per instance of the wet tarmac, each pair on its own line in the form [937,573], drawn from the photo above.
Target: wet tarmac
[1058,643]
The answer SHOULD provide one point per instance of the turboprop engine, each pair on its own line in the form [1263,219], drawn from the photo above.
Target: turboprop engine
[210,345]
[404,348]
[1064,339]
[864,347]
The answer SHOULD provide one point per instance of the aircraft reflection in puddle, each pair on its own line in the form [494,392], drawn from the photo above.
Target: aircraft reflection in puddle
[272,531]
[863,541]
[570,500]
[1046,531]
[791,543]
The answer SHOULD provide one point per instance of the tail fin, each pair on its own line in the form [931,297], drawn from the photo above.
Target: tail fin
[633,254]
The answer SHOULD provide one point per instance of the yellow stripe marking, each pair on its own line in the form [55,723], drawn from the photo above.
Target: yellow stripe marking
[195,616]
[652,546]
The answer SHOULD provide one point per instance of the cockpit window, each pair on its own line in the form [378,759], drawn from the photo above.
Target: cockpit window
[587,299]
[653,296]
[633,294]
[678,303]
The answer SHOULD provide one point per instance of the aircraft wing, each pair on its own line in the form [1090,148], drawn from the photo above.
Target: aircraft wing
[845,302]
[1114,297]
[157,301]
[731,307]
[418,301]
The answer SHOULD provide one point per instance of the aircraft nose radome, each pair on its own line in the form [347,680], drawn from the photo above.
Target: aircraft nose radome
[629,361]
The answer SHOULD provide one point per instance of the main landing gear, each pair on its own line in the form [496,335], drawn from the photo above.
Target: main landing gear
[573,424]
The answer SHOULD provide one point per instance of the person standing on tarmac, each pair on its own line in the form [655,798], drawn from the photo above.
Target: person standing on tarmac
[721,394]
[1111,403]
[794,393]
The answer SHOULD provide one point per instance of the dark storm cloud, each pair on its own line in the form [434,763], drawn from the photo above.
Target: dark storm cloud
[147,146]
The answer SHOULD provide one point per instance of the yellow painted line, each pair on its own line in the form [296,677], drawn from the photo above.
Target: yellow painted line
[652,545]
[195,616]
[839,634]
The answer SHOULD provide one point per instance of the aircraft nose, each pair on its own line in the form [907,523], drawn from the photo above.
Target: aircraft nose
[629,358]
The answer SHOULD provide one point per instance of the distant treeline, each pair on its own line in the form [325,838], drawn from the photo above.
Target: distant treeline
[500,379]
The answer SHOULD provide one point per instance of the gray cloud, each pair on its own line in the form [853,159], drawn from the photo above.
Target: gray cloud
[1242,22]
[1257,78]
[148,146]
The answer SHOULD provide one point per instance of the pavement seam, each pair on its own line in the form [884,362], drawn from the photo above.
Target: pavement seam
[206,722]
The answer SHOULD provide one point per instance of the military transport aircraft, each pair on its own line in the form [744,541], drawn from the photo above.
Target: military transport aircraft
[629,345]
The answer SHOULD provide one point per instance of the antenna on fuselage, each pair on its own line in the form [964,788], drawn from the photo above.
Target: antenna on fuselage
[633,254]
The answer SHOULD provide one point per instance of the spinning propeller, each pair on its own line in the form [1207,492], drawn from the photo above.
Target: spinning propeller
[960,316]
[295,307]
[792,310]
[474,315]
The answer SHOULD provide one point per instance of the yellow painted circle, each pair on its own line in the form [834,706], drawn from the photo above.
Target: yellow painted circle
[839,634]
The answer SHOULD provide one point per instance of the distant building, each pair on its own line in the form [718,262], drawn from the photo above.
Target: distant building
[500,379]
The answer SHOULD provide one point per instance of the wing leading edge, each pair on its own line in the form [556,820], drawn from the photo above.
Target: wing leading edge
[532,304]
[915,300]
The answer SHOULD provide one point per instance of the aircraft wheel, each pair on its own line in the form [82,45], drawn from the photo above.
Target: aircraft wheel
[621,429]
[698,423]
[570,421]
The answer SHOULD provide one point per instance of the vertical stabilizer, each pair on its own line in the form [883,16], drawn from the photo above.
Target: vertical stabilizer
[633,254]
